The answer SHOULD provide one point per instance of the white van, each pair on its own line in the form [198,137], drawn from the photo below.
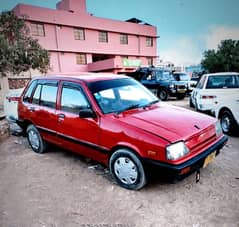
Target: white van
[212,87]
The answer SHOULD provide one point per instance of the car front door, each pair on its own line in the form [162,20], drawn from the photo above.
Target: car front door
[79,134]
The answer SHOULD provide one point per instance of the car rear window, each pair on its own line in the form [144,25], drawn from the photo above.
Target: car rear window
[227,81]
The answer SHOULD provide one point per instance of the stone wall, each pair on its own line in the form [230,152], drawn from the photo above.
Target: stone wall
[15,83]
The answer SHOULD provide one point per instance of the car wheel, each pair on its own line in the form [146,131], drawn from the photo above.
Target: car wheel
[127,169]
[35,140]
[163,94]
[228,122]
[191,103]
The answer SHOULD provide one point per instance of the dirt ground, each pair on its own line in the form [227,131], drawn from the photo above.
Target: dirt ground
[61,189]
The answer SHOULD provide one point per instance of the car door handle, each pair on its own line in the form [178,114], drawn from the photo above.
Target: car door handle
[61,116]
[31,109]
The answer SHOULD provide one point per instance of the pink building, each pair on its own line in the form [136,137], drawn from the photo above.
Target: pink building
[78,41]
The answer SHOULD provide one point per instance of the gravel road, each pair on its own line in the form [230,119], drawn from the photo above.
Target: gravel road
[61,189]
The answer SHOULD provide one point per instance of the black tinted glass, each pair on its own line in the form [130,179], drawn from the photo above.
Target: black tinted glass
[36,96]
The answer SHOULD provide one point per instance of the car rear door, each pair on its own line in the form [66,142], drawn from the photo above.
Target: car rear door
[74,132]
[42,109]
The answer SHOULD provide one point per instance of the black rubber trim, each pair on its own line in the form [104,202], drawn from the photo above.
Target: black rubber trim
[46,130]
[102,150]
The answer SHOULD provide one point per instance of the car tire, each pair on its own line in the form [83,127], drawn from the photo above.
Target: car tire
[127,169]
[228,123]
[191,103]
[163,94]
[35,140]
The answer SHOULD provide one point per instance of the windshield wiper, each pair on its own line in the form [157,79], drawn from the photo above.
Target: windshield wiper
[134,106]
[150,103]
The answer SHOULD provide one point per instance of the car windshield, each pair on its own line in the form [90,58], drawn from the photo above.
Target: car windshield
[118,95]
[182,77]
[161,75]
[194,79]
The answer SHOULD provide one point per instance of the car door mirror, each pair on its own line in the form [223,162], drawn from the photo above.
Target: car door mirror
[87,113]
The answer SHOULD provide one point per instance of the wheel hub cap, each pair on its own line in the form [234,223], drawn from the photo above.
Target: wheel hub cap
[225,124]
[33,138]
[125,170]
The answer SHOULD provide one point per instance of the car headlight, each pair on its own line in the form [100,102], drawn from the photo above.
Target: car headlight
[218,128]
[176,150]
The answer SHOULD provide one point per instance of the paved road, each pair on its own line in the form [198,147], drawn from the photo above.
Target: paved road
[60,189]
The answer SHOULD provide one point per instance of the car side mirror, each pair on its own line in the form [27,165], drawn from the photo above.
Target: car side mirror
[87,113]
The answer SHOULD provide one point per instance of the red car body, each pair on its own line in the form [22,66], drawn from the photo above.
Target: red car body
[145,131]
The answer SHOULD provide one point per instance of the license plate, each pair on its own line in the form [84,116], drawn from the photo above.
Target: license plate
[209,159]
[181,91]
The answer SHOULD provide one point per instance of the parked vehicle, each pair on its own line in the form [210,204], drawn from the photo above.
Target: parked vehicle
[226,108]
[161,82]
[181,76]
[11,103]
[211,87]
[115,120]
[195,79]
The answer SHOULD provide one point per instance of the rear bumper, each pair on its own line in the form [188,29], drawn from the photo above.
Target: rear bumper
[189,166]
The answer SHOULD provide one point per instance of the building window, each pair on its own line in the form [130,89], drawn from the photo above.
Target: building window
[123,39]
[37,29]
[81,59]
[150,61]
[79,33]
[103,37]
[149,41]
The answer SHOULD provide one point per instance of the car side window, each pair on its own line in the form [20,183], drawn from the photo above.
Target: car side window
[28,94]
[48,95]
[36,96]
[237,81]
[73,100]
[201,82]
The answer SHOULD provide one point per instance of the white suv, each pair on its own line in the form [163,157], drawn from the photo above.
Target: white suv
[212,87]
[218,93]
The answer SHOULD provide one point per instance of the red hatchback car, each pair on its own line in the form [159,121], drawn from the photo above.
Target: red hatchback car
[115,120]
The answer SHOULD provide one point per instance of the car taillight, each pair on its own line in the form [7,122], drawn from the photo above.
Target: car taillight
[208,96]
[12,99]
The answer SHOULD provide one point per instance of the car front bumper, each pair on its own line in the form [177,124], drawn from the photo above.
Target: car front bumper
[192,165]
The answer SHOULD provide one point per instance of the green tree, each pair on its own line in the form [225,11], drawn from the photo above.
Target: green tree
[19,52]
[225,59]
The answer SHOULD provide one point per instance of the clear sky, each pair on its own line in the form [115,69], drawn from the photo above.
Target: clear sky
[186,27]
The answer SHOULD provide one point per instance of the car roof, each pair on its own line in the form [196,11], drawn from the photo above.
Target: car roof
[179,73]
[222,74]
[85,77]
